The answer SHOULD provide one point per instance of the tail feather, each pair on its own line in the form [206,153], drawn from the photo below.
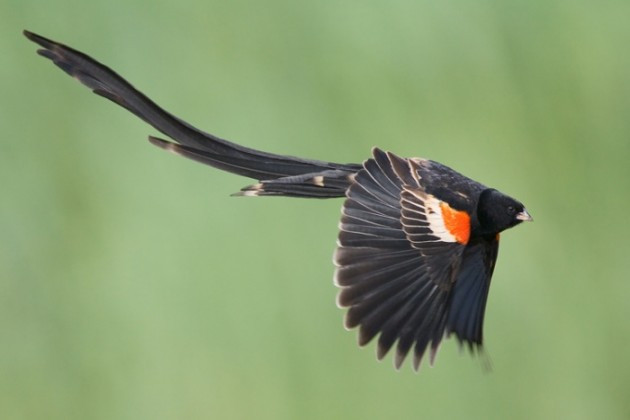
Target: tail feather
[192,142]
[325,184]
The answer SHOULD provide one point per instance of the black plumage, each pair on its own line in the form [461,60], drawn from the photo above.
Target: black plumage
[418,241]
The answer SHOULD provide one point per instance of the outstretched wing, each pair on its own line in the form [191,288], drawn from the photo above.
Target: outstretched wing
[399,255]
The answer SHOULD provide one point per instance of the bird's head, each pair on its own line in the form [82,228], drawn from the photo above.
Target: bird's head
[497,211]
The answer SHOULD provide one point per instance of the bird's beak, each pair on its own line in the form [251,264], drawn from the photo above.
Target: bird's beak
[524,216]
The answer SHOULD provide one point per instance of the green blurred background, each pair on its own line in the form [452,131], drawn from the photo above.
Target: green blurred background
[132,286]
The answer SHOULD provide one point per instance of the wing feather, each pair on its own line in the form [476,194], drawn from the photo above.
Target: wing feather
[394,266]
[470,293]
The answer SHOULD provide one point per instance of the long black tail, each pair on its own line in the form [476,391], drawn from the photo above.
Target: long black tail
[278,175]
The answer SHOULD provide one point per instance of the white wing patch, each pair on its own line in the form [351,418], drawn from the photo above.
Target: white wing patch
[436,219]
[425,209]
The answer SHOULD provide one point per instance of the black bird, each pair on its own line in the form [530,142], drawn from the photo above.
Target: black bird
[418,241]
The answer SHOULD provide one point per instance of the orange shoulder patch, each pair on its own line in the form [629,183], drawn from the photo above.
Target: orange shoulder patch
[456,222]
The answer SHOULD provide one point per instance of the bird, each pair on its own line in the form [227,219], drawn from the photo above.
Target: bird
[417,243]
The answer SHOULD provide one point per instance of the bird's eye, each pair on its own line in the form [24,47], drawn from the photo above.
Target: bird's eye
[511,210]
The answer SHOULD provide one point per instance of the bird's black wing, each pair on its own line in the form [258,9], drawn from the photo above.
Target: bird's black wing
[468,300]
[398,258]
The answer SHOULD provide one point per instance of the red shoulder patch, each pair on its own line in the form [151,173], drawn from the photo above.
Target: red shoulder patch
[457,222]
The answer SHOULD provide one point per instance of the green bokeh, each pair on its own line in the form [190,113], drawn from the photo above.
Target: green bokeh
[132,286]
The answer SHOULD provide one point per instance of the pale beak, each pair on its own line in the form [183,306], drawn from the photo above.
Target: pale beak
[524,216]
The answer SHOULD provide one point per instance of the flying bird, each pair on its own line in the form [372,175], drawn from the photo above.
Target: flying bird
[417,243]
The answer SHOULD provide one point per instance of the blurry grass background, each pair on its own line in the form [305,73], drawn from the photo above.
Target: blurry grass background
[132,286]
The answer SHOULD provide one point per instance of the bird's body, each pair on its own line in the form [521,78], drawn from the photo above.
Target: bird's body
[418,241]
